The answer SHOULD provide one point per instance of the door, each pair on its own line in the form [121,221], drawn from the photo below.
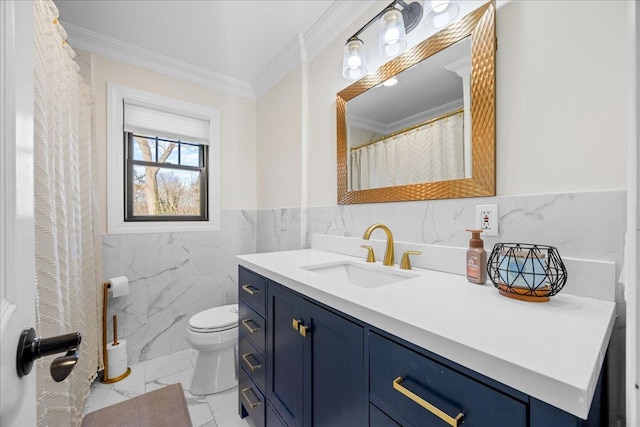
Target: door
[17,256]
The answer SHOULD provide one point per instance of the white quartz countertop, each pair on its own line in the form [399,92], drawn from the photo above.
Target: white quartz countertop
[552,351]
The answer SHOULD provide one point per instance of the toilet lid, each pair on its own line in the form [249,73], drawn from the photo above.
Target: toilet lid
[215,319]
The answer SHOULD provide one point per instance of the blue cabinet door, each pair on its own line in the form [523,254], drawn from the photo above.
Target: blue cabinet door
[338,390]
[285,354]
[316,377]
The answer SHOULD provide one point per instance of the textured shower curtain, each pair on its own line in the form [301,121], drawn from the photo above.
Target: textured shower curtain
[433,152]
[68,258]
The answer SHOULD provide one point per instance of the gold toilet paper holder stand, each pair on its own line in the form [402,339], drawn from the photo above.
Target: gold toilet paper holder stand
[105,376]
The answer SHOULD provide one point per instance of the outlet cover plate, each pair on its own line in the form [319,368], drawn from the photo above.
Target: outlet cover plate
[487,219]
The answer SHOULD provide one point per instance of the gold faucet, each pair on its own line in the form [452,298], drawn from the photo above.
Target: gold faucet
[388,254]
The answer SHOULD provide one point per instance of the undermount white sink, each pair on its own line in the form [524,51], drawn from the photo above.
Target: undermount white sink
[363,275]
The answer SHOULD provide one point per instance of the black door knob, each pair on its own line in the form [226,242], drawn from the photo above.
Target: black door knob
[31,348]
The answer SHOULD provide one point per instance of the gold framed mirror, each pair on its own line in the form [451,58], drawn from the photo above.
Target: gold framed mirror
[476,175]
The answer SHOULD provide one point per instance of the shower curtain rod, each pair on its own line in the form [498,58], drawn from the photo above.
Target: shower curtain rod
[444,116]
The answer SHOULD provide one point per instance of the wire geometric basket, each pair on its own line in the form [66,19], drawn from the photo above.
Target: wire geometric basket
[526,272]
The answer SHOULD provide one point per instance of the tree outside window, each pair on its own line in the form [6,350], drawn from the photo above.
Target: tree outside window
[165,179]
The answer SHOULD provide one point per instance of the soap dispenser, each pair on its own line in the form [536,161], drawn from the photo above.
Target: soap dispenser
[476,259]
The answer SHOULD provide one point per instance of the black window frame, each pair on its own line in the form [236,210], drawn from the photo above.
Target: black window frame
[129,164]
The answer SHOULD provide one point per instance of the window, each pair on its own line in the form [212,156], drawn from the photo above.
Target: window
[165,180]
[163,164]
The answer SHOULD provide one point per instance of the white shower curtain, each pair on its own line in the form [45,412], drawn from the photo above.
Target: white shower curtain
[433,152]
[68,251]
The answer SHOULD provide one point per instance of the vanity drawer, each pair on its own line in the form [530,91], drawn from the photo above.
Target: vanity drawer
[252,290]
[253,362]
[252,326]
[377,418]
[251,399]
[404,384]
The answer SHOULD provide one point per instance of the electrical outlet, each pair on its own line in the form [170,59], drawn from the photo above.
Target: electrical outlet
[487,219]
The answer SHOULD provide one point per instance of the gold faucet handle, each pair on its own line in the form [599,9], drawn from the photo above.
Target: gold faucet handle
[405,264]
[370,256]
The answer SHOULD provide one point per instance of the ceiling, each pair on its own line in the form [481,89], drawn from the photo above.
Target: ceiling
[246,45]
[426,90]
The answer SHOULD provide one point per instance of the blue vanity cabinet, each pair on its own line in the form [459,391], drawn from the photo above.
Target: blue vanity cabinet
[316,366]
[305,364]
[415,390]
[251,345]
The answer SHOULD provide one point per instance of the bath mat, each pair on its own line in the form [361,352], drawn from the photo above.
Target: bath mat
[159,408]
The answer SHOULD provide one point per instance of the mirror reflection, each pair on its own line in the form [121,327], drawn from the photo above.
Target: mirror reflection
[411,128]
[449,110]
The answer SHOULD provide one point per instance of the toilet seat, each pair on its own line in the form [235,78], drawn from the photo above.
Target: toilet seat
[215,319]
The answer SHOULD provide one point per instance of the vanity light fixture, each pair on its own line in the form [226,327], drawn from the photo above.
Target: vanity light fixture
[354,61]
[440,12]
[393,26]
[391,33]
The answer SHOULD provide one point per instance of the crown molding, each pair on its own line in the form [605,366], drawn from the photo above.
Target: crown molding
[333,22]
[83,39]
[338,17]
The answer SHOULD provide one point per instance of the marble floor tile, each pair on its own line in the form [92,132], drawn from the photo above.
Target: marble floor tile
[102,395]
[167,365]
[183,377]
[224,406]
[216,410]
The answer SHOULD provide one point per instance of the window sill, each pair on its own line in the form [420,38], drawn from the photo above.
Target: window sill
[162,227]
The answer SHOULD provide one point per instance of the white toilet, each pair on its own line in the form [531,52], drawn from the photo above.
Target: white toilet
[214,333]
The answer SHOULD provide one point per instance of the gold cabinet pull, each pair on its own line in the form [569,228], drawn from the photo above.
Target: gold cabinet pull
[245,323]
[250,289]
[304,330]
[245,357]
[455,422]
[295,324]
[244,394]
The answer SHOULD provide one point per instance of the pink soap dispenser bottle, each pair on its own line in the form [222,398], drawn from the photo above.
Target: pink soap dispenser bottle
[476,259]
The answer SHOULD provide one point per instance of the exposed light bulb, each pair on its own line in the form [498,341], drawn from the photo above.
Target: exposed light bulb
[391,33]
[354,62]
[439,5]
[441,13]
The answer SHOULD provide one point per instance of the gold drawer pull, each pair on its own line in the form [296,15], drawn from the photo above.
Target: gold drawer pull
[245,323]
[244,394]
[245,357]
[455,422]
[251,290]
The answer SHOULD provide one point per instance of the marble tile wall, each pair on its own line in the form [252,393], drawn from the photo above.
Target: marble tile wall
[279,229]
[173,276]
[176,275]
[587,225]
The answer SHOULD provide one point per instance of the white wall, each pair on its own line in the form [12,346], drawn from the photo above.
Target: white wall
[279,130]
[560,97]
[237,134]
